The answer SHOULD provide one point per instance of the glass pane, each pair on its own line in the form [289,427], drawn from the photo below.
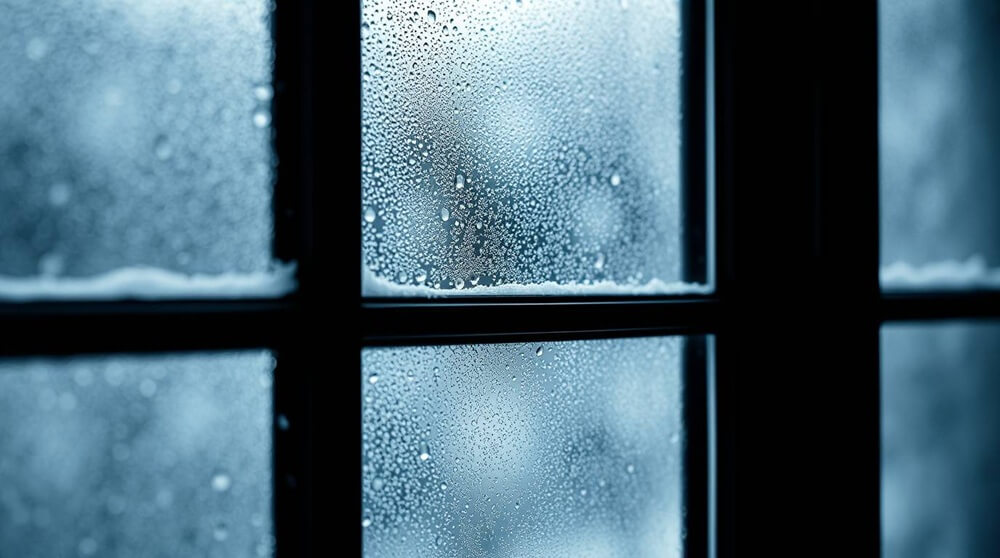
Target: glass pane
[159,456]
[521,148]
[554,449]
[136,135]
[940,128]
[940,440]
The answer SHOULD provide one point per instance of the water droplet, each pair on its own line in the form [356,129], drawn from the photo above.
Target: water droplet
[539,351]
[517,505]
[36,49]
[378,484]
[366,31]
[424,451]
[51,265]
[624,4]
[630,468]
[366,522]
[263,92]
[373,379]
[221,482]
[220,532]
[87,547]
[444,486]
[147,388]
[421,276]
[59,194]
[599,262]
[459,284]
[583,492]
[283,423]
[615,179]
[261,118]
[162,148]
[459,181]
[431,16]
[445,214]
[675,437]
[369,215]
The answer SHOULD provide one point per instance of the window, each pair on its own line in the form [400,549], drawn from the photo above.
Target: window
[938,137]
[667,212]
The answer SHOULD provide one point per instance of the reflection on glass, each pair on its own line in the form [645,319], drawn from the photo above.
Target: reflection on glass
[553,449]
[136,456]
[940,440]
[939,136]
[521,148]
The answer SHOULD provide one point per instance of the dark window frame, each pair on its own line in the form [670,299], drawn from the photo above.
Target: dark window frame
[794,462]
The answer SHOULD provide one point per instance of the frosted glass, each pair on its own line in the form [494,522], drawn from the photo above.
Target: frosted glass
[158,456]
[517,147]
[940,440]
[569,449]
[939,136]
[135,133]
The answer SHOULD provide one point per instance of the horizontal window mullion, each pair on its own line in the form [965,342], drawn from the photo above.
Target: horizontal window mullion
[939,305]
[427,323]
[143,326]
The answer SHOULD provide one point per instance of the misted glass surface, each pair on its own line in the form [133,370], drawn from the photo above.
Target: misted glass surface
[568,449]
[521,147]
[939,138]
[159,456]
[135,133]
[940,440]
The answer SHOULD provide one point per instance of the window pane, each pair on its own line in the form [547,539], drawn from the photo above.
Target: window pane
[552,449]
[521,148]
[940,440]
[136,133]
[940,127]
[159,456]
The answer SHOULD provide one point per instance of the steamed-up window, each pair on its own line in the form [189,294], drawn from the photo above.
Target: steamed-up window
[522,148]
[135,153]
[939,138]
[559,449]
[940,439]
[124,456]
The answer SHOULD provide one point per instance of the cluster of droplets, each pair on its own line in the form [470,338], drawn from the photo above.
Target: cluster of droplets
[520,143]
[523,450]
[135,456]
[135,133]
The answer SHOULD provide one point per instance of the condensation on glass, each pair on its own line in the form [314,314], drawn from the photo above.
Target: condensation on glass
[136,456]
[135,133]
[939,137]
[564,449]
[940,440]
[521,147]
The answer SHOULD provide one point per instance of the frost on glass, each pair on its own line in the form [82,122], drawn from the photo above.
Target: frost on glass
[134,133]
[939,138]
[569,449]
[521,147]
[940,440]
[121,456]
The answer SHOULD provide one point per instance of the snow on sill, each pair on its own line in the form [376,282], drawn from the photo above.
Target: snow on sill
[374,286]
[970,274]
[148,283]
